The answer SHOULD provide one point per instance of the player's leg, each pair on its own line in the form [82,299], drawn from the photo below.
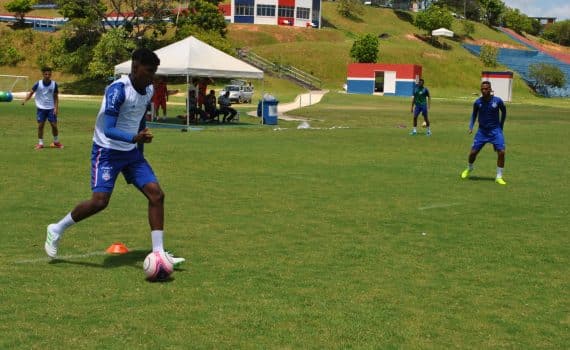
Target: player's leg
[163,106]
[415,121]
[478,142]
[499,145]
[426,119]
[41,117]
[52,118]
[104,171]
[140,174]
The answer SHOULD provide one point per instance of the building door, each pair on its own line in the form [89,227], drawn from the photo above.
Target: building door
[389,82]
[379,82]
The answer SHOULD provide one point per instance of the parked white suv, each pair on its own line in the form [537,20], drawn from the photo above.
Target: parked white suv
[239,93]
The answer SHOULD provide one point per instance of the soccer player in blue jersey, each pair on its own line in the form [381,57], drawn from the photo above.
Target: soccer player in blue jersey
[47,104]
[422,101]
[487,108]
[120,133]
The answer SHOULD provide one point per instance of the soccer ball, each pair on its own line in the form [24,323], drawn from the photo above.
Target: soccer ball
[158,266]
[424,124]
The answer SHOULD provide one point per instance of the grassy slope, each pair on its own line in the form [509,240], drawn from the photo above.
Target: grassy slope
[452,72]
[325,52]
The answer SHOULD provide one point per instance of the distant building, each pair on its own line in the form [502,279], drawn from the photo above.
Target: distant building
[544,21]
[297,13]
[382,78]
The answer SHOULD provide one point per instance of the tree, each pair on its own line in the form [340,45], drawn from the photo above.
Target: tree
[546,75]
[110,50]
[365,49]
[20,8]
[350,8]
[433,18]
[517,21]
[204,15]
[468,27]
[558,32]
[491,11]
[488,55]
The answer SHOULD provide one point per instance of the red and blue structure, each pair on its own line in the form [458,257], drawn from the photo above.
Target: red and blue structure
[398,79]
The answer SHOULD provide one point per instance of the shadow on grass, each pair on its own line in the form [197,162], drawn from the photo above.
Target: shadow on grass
[404,16]
[111,261]
[434,42]
[481,178]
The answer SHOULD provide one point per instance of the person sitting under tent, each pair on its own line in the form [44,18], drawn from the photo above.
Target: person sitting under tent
[193,107]
[210,106]
[225,109]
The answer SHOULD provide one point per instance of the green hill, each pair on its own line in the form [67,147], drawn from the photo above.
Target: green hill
[325,52]
[452,72]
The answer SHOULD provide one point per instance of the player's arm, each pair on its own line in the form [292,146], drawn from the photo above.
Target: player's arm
[413,102]
[30,94]
[473,117]
[114,99]
[56,100]
[503,110]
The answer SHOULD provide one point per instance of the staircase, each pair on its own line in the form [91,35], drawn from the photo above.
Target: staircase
[296,75]
[520,60]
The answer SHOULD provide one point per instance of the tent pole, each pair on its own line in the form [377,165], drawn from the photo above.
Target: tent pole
[187,102]
[262,99]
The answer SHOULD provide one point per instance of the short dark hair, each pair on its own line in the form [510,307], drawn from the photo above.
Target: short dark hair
[46,69]
[421,80]
[487,82]
[146,57]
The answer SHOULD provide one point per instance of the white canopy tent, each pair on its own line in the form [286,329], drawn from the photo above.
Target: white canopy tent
[191,57]
[442,32]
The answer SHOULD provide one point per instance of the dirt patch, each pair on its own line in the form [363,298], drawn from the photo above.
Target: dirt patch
[412,37]
[493,44]
[431,54]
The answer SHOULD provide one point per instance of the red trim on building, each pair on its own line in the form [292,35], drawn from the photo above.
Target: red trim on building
[368,70]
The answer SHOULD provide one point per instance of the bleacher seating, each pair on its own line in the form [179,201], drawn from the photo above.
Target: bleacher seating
[520,60]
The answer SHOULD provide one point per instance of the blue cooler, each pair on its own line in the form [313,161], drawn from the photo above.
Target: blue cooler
[270,111]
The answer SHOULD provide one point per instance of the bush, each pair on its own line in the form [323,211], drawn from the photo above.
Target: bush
[546,75]
[489,55]
[10,56]
[468,27]
[365,49]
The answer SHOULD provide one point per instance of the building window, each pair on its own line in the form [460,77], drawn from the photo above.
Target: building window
[266,10]
[286,11]
[303,12]
[244,10]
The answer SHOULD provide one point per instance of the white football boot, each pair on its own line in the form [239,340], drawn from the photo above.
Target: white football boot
[52,240]
[176,262]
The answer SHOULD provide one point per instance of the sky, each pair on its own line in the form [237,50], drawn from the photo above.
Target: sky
[542,8]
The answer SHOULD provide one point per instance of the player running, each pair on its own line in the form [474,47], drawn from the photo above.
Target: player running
[490,130]
[422,101]
[47,104]
[120,133]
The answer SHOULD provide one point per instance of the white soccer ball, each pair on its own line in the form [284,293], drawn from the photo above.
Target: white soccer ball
[424,124]
[158,266]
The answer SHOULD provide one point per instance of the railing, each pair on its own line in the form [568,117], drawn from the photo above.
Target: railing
[291,72]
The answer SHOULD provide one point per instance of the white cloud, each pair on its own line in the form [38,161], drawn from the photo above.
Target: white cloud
[542,8]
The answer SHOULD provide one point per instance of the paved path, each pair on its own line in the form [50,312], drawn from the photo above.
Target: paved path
[303,100]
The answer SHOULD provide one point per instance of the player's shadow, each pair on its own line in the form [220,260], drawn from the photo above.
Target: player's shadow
[481,178]
[132,258]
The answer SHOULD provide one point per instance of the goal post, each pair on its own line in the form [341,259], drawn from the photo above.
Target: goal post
[14,83]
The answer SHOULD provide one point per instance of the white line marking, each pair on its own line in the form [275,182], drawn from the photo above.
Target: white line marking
[434,206]
[62,257]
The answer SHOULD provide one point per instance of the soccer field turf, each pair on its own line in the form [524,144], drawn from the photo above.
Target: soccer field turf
[349,235]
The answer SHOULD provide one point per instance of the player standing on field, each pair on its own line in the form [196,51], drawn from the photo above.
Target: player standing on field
[47,103]
[120,133]
[422,101]
[490,130]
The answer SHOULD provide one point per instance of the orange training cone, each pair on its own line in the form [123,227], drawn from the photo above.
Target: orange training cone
[117,248]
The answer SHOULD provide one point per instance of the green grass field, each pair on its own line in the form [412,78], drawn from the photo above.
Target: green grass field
[296,239]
